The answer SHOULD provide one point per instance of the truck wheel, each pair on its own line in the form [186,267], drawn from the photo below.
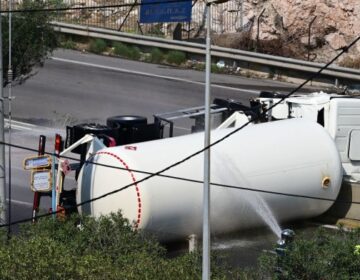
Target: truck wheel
[125,121]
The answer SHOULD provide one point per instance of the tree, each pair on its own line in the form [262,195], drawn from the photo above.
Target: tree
[32,39]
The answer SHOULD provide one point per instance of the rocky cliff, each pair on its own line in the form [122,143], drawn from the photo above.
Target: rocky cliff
[284,27]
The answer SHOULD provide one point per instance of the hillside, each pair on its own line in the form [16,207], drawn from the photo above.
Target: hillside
[284,26]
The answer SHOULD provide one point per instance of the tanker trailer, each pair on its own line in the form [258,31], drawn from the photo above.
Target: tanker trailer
[292,156]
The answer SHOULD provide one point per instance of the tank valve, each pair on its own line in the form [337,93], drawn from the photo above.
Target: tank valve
[326,182]
[287,236]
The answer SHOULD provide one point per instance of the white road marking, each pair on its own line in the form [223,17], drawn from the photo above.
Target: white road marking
[20,202]
[20,125]
[150,75]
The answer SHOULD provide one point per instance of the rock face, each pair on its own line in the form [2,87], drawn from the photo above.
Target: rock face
[336,23]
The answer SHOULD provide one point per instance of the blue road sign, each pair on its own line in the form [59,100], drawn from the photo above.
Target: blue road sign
[152,11]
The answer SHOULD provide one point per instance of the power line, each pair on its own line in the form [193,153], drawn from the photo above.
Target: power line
[151,175]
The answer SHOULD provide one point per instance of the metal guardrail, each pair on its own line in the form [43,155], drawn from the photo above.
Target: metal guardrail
[220,52]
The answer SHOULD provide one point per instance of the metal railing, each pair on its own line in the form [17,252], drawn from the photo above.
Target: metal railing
[219,52]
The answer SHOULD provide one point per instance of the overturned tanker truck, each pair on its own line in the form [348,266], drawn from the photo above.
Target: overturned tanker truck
[294,158]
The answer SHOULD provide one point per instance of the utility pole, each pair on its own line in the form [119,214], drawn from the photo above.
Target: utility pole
[3,204]
[206,189]
[10,78]
[206,270]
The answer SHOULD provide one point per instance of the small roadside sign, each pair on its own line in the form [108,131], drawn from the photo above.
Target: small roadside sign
[152,11]
[41,180]
[37,162]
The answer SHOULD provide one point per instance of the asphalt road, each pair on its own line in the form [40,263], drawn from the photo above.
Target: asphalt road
[76,87]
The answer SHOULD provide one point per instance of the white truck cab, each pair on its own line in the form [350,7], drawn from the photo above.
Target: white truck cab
[338,114]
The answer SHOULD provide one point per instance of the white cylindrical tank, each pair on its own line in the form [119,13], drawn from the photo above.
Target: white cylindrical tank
[289,156]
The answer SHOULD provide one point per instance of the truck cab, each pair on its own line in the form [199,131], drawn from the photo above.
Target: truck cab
[338,114]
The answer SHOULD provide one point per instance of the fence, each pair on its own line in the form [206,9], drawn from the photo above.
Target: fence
[123,15]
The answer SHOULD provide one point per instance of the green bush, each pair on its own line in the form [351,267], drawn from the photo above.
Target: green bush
[68,44]
[126,51]
[327,255]
[176,57]
[216,69]
[135,53]
[156,56]
[97,46]
[104,248]
[121,49]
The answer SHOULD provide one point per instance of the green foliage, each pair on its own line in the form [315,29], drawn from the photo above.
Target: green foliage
[126,51]
[156,56]
[327,255]
[176,57]
[216,69]
[104,248]
[97,46]
[68,44]
[32,39]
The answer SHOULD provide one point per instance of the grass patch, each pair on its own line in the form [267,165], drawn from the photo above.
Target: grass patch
[176,57]
[68,44]
[326,254]
[156,56]
[97,46]
[126,51]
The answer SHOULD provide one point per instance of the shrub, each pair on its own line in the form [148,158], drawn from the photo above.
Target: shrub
[97,46]
[216,69]
[68,44]
[156,56]
[121,49]
[126,51]
[104,248]
[327,255]
[135,53]
[176,57]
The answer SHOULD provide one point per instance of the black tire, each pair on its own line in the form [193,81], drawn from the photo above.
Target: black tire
[125,121]
[127,125]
